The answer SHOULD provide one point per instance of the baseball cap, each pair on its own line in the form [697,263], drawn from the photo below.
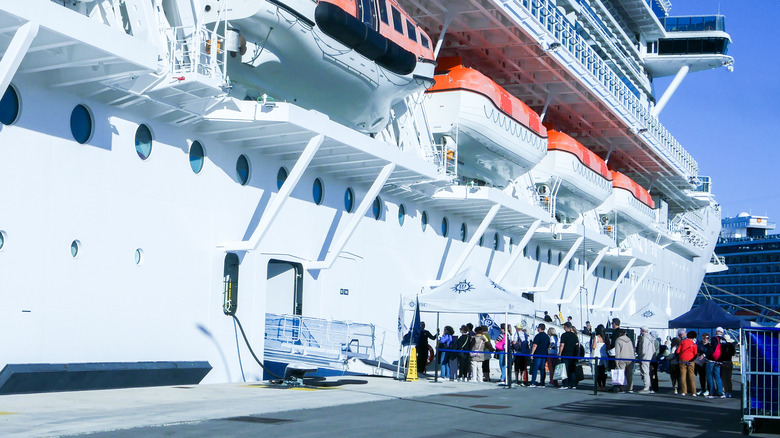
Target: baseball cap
[719,329]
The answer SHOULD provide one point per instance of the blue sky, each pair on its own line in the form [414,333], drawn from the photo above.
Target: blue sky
[730,122]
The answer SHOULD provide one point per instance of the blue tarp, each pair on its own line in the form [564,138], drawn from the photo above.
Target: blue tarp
[707,315]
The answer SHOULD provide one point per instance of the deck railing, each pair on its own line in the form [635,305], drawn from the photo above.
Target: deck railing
[319,336]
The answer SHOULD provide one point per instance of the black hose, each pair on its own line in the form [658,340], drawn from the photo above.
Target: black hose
[252,351]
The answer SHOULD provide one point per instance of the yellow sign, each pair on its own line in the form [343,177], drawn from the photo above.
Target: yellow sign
[411,372]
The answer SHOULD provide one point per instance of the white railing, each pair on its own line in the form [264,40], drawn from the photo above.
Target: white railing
[559,27]
[317,336]
[197,50]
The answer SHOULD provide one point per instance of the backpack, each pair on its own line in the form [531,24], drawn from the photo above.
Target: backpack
[716,352]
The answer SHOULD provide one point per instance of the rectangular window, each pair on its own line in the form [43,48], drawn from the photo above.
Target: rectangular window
[425,42]
[383,11]
[411,31]
[398,24]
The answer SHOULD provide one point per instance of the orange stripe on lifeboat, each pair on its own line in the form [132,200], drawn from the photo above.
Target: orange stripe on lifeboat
[621,181]
[451,75]
[559,141]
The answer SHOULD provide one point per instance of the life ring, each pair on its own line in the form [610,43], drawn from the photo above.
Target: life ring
[430,355]
[758,220]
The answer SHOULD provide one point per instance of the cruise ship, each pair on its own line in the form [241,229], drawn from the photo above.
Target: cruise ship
[195,188]
[746,280]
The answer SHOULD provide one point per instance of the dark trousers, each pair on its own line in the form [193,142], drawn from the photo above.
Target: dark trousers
[422,358]
[571,372]
[725,374]
[702,373]
[601,374]
[486,369]
[538,366]
[464,365]
[521,368]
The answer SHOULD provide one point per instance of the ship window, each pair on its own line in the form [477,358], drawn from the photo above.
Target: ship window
[398,24]
[281,177]
[424,220]
[560,258]
[75,248]
[482,240]
[401,214]
[2,239]
[81,124]
[538,254]
[463,232]
[139,256]
[242,169]
[377,208]
[317,191]
[383,11]
[411,31]
[445,227]
[143,141]
[230,279]
[511,244]
[9,106]
[196,156]
[495,241]
[425,41]
[349,199]
[549,256]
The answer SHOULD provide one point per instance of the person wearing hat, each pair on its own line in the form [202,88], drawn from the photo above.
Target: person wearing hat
[728,350]
[645,350]
[520,346]
[713,366]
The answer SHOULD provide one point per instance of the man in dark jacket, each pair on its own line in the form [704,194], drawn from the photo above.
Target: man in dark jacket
[569,346]
[422,348]
[540,343]
[714,351]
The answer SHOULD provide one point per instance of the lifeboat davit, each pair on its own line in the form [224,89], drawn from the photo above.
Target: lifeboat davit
[498,137]
[577,177]
[631,203]
[349,59]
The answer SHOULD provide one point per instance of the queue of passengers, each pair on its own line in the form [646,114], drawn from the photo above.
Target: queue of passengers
[467,357]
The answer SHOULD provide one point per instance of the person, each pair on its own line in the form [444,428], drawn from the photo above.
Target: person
[645,350]
[477,357]
[682,334]
[540,343]
[713,366]
[699,366]
[686,354]
[598,348]
[569,347]
[547,317]
[488,347]
[654,363]
[422,348]
[587,330]
[674,364]
[500,346]
[728,350]
[448,360]
[568,319]
[624,353]
[463,343]
[521,360]
[612,338]
[552,351]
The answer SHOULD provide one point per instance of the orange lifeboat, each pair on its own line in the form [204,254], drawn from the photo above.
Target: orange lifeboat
[575,176]
[498,136]
[631,203]
[349,59]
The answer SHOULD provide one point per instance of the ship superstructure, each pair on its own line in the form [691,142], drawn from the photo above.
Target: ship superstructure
[300,165]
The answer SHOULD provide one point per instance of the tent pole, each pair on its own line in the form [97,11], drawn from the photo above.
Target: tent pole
[436,353]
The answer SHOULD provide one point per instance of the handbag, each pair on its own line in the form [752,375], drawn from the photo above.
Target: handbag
[560,372]
[618,377]
[611,352]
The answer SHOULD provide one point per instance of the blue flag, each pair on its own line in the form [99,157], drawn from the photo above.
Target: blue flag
[494,330]
[413,335]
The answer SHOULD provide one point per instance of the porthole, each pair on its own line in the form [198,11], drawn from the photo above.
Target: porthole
[2,239]
[424,220]
[463,232]
[349,199]
[401,214]
[242,169]
[75,248]
[445,227]
[281,177]
[81,124]
[317,191]
[143,141]
[197,155]
[495,241]
[9,106]
[377,208]
[139,256]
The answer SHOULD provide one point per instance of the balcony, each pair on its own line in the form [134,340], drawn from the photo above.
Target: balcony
[695,23]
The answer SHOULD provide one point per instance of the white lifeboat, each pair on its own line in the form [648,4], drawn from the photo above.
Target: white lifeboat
[349,59]
[574,175]
[631,203]
[498,137]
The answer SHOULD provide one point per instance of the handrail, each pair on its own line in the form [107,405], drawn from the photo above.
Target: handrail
[318,335]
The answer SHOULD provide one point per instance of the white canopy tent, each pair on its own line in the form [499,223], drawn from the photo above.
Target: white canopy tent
[648,315]
[470,292]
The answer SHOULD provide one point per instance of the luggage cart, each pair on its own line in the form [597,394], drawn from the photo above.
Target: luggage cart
[760,359]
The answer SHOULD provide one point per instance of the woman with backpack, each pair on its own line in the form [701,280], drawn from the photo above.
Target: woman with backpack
[713,355]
